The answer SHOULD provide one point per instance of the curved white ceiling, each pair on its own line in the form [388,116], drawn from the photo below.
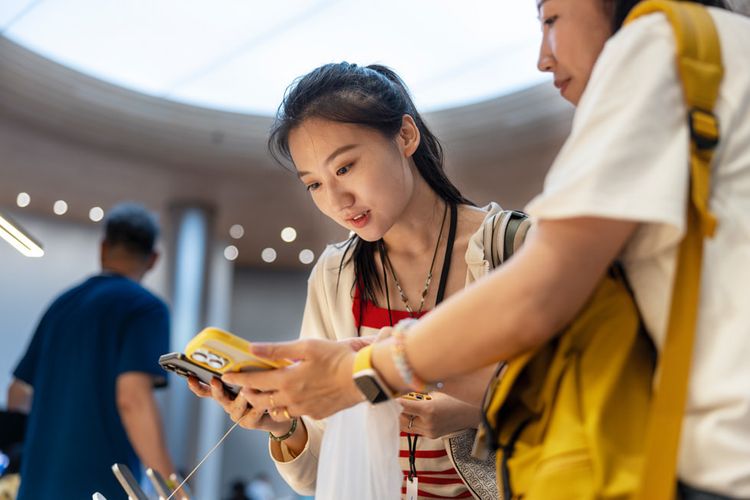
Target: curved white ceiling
[239,55]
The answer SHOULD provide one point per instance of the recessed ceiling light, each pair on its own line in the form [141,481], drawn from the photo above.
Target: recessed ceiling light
[268,255]
[60,207]
[231,252]
[237,231]
[289,234]
[96,214]
[23,200]
[306,256]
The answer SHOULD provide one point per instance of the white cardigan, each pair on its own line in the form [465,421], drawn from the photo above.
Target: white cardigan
[328,315]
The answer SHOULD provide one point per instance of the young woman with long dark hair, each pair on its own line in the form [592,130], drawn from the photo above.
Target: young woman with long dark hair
[370,163]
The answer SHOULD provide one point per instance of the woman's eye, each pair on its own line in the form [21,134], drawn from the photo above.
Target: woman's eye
[313,186]
[549,21]
[343,170]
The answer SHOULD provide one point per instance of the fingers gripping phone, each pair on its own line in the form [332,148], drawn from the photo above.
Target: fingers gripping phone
[178,363]
[128,482]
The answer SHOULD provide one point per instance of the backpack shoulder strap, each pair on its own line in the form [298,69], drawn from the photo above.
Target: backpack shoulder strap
[503,235]
[700,69]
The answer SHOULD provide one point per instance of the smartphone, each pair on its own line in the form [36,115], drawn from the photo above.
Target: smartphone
[128,482]
[162,489]
[417,396]
[220,351]
[177,480]
[178,363]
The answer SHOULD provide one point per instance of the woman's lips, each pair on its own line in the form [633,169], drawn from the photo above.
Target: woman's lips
[359,220]
[562,85]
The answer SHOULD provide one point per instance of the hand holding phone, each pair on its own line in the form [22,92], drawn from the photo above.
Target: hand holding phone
[214,352]
[178,363]
[208,356]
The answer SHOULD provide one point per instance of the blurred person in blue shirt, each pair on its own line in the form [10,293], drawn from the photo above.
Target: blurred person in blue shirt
[87,377]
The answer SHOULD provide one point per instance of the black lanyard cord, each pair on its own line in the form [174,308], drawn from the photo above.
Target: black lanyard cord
[412,440]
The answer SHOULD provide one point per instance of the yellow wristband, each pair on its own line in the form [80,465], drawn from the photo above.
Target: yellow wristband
[363,359]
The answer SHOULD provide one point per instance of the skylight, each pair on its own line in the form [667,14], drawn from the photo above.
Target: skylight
[240,55]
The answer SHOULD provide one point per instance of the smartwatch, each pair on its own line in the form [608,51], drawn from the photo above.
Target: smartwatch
[367,380]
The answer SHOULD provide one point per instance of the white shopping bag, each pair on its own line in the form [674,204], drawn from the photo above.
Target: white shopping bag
[359,454]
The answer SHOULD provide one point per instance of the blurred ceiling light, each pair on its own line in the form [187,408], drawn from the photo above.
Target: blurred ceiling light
[13,233]
[268,255]
[231,252]
[237,231]
[23,200]
[306,256]
[289,234]
[60,207]
[96,214]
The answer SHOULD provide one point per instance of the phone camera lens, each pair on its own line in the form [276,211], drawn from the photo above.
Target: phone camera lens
[200,356]
[216,362]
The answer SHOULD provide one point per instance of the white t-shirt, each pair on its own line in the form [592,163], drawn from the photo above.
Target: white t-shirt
[627,159]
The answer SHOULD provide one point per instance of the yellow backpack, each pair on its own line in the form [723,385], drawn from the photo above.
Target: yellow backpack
[577,418]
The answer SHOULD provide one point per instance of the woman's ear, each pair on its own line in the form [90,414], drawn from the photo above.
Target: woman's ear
[408,136]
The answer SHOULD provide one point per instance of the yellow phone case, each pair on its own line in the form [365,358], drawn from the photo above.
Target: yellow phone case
[221,351]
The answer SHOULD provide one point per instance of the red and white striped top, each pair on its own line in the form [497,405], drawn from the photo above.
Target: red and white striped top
[437,476]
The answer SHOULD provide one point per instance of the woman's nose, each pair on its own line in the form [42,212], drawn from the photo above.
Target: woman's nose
[339,198]
[546,61]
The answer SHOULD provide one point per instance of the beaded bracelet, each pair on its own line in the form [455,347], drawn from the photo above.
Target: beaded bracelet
[286,436]
[398,353]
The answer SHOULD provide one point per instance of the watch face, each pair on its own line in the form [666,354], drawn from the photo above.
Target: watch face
[370,388]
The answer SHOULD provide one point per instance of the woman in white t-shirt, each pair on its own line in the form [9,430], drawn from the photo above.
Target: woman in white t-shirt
[617,190]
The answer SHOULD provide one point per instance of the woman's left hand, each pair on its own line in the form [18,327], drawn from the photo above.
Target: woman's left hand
[437,417]
[319,384]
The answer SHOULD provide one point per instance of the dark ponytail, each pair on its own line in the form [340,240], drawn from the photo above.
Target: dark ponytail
[374,97]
